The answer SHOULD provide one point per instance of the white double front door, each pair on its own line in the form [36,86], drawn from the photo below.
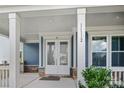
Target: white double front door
[57,57]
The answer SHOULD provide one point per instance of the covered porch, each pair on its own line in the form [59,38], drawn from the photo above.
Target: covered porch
[61,42]
[41,42]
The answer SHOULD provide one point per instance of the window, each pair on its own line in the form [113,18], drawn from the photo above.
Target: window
[63,53]
[99,51]
[51,53]
[117,51]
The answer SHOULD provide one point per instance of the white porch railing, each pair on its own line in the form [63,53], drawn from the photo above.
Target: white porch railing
[117,75]
[4,76]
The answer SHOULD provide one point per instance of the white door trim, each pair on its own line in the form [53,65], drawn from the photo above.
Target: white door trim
[57,63]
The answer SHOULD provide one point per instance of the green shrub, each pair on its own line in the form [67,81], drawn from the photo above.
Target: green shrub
[97,77]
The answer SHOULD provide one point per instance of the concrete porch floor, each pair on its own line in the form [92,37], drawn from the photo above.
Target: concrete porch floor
[31,80]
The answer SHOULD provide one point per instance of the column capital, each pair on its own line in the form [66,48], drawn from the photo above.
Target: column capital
[81,10]
[13,16]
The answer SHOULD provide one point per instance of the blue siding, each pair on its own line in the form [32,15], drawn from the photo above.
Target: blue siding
[31,53]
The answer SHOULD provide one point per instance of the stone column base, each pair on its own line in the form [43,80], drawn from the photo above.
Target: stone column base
[74,73]
[41,71]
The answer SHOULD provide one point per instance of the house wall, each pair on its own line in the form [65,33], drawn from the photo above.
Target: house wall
[104,19]
[31,57]
[102,23]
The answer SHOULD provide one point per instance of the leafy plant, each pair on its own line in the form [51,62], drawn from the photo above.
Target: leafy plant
[96,77]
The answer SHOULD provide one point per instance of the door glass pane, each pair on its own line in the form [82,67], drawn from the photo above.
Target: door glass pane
[63,53]
[99,59]
[51,53]
[99,44]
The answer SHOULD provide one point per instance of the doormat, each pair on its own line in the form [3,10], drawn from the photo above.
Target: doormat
[50,78]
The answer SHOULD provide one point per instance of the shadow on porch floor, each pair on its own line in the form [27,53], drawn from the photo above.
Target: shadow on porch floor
[31,80]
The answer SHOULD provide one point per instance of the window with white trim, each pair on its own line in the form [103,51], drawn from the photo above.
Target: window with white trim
[99,50]
[117,52]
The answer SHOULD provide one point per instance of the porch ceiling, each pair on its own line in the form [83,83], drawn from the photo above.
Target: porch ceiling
[36,25]
[58,20]
[33,23]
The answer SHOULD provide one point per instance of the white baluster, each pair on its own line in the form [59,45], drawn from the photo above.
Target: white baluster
[0,78]
[119,78]
[3,77]
[111,78]
[115,77]
[6,78]
[123,78]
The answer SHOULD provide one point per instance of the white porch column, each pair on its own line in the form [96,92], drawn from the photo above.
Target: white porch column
[74,48]
[14,37]
[81,43]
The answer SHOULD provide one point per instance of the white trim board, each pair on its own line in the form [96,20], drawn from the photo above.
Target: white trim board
[91,8]
[54,35]
[31,65]
[31,41]
[107,32]
[24,8]
[105,28]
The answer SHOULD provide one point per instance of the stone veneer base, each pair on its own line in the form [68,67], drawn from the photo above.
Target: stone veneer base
[31,69]
[74,73]
[41,71]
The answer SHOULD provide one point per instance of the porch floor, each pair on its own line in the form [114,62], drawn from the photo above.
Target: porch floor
[31,80]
